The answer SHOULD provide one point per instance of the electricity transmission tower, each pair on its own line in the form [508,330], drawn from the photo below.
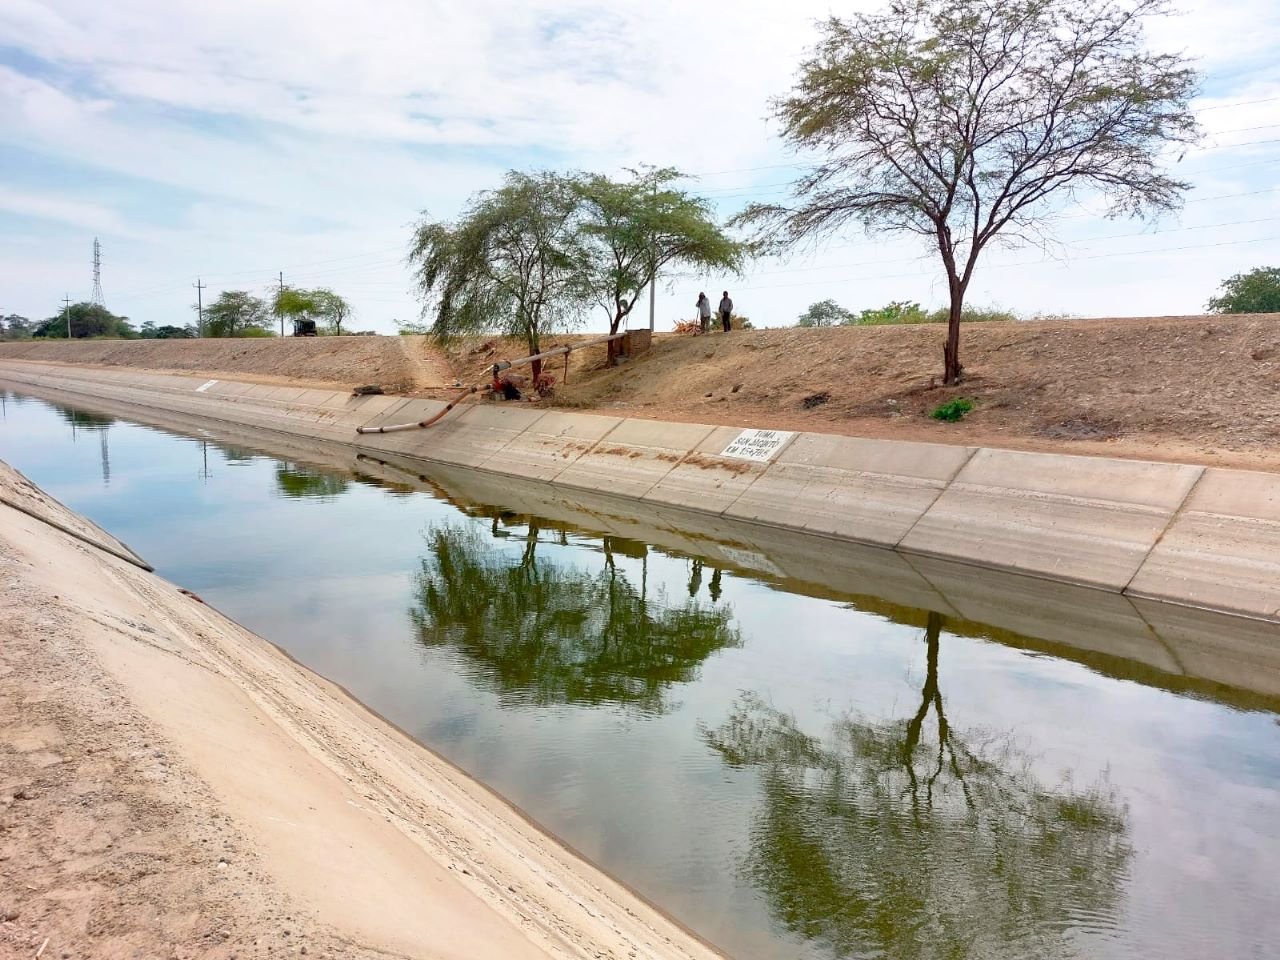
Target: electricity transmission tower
[97,273]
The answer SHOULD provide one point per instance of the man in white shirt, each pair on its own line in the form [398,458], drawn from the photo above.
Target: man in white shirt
[704,311]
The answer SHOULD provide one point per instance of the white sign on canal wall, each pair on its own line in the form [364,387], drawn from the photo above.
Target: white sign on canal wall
[758,445]
[205,386]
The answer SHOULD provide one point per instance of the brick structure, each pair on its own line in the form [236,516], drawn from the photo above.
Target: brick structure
[636,342]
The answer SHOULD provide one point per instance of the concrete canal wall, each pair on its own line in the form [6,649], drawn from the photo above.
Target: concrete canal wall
[1202,537]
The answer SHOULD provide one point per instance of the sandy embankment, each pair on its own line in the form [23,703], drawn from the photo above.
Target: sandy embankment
[1193,389]
[172,785]
[398,364]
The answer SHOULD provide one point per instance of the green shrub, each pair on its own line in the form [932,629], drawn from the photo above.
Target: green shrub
[906,311]
[898,311]
[952,410]
[975,315]
[254,332]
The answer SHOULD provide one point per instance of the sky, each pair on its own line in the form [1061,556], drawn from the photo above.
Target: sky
[236,141]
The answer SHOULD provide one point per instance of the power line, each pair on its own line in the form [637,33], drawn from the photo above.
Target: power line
[766,189]
[1110,236]
[1265,126]
[1233,146]
[809,163]
[310,263]
[1242,103]
[1024,263]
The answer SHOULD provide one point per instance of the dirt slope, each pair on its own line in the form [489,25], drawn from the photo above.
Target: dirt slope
[1196,389]
[398,364]
[1193,389]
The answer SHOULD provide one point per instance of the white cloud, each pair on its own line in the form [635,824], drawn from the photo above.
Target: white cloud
[254,135]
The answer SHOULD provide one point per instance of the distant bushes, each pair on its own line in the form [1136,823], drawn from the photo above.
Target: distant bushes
[894,312]
[976,315]
[829,313]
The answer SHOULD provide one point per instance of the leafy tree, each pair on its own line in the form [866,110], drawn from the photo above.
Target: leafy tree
[236,313]
[961,120]
[826,313]
[295,304]
[15,327]
[894,312]
[548,633]
[512,262]
[909,838]
[636,227]
[87,320]
[149,331]
[330,309]
[1257,291]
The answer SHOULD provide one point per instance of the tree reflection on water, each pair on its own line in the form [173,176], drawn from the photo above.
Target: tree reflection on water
[296,480]
[907,839]
[541,631]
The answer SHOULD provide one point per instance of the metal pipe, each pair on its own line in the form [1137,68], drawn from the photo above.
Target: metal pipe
[131,557]
[396,428]
[497,368]
[555,352]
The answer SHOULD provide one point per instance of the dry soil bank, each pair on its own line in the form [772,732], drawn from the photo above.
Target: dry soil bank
[399,364]
[173,786]
[1194,389]
[1202,389]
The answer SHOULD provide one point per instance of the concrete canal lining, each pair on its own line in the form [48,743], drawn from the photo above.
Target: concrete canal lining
[1183,534]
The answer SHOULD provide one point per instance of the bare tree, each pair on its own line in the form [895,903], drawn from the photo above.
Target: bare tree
[961,120]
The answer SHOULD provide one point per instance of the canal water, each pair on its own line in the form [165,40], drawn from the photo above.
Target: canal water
[791,771]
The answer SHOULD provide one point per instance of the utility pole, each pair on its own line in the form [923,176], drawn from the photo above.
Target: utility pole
[653,280]
[281,315]
[66,301]
[200,287]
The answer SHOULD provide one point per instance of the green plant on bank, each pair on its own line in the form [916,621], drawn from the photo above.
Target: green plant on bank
[953,410]
[1257,291]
